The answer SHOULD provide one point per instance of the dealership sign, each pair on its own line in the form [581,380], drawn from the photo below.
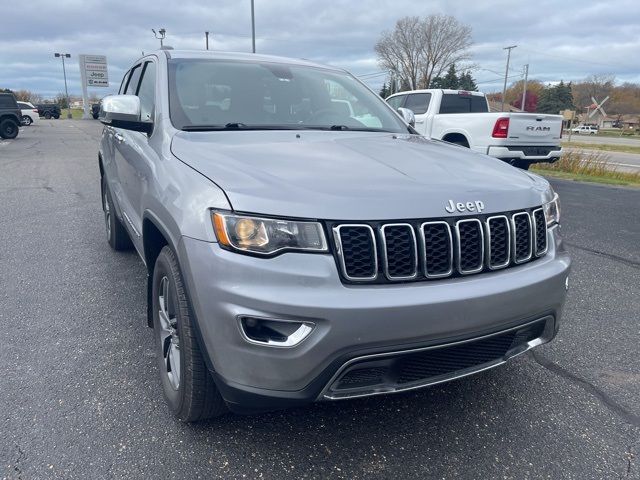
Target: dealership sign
[93,70]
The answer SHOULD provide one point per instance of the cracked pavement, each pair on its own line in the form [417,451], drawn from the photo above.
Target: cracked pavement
[80,393]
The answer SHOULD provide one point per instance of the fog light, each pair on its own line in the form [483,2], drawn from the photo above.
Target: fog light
[274,333]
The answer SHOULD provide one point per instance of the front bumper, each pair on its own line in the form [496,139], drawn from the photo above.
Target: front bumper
[350,321]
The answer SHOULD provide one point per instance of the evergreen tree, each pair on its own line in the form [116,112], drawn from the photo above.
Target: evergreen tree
[555,98]
[467,82]
[384,92]
[451,79]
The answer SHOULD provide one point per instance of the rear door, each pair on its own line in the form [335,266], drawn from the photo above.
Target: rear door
[418,103]
[134,156]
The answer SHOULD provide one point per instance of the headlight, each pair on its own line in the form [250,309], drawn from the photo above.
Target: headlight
[552,211]
[266,236]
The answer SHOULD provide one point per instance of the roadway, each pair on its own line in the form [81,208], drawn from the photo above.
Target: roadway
[81,397]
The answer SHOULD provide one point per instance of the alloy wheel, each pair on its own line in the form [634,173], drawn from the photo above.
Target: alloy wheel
[169,340]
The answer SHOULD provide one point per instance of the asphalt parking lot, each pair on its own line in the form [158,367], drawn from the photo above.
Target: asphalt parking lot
[80,396]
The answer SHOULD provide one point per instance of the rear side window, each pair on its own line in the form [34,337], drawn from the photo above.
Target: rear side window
[23,106]
[456,103]
[396,102]
[418,102]
[7,101]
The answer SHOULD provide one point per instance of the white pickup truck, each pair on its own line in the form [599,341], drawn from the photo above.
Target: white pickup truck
[463,118]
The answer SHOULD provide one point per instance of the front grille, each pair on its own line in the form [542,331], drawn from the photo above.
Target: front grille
[521,237]
[402,370]
[400,245]
[470,241]
[380,252]
[499,243]
[438,249]
[357,245]
[541,233]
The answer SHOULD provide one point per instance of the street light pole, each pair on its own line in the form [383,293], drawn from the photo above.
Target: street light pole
[206,34]
[64,73]
[506,73]
[253,28]
[524,90]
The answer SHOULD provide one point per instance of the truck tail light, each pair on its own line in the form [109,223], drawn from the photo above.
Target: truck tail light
[501,128]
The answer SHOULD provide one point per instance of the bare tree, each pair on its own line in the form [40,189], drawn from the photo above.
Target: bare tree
[418,50]
[400,51]
[27,96]
[445,42]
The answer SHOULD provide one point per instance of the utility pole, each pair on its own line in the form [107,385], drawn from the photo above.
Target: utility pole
[160,35]
[64,72]
[506,74]
[253,28]
[206,34]
[524,90]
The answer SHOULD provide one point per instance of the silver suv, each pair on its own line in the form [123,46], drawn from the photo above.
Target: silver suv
[303,243]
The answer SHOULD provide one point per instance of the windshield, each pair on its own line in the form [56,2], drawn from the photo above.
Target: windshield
[223,94]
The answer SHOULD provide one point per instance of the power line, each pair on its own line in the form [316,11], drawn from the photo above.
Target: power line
[573,59]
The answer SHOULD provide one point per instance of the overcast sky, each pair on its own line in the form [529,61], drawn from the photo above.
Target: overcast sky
[559,39]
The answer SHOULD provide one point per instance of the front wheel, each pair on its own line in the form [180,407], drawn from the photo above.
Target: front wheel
[187,385]
[522,164]
[9,129]
[47,115]
[26,120]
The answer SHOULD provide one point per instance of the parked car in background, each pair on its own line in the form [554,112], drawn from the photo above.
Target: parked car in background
[29,113]
[95,110]
[585,130]
[303,249]
[463,118]
[49,110]
[10,116]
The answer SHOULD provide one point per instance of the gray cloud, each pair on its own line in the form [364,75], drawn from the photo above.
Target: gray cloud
[560,40]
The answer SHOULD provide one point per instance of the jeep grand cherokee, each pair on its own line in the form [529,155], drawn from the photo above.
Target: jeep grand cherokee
[303,243]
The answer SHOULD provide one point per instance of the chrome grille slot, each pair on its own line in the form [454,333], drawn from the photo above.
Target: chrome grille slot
[540,229]
[437,249]
[356,246]
[399,250]
[522,237]
[470,246]
[498,239]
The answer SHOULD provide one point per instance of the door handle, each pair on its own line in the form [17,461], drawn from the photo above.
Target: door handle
[119,137]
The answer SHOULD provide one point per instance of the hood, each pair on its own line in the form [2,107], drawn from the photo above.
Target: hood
[352,175]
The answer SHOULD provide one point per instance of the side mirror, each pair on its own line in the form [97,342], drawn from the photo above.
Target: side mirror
[408,116]
[123,111]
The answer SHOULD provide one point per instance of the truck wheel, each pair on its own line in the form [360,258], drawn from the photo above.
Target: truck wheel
[56,116]
[26,120]
[117,235]
[9,128]
[522,164]
[47,115]
[187,384]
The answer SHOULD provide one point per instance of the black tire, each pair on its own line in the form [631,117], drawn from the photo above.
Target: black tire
[47,115]
[26,120]
[192,395]
[522,164]
[117,235]
[9,128]
[56,116]
[95,116]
